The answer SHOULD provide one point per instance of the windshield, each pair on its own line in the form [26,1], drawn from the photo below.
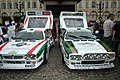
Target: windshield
[79,35]
[37,22]
[30,35]
[73,22]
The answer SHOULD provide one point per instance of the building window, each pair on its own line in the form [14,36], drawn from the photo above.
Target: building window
[15,5]
[40,5]
[94,4]
[118,15]
[9,5]
[93,15]
[87,4]
[106,5]
[119,5]
[34,5]
[22,5]
[3,5]
[113,4]
[80,5]
[28,5]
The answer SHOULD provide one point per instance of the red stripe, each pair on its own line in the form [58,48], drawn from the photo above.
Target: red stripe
[30,52]
[50,21]
[3,46]
[25,20]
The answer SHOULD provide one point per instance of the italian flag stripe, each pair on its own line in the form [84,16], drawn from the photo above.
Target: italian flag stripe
[31,51]
[41,50]
[3,46]
[69,47]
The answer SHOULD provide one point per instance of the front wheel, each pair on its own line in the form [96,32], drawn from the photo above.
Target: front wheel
[45,56]
[63,59]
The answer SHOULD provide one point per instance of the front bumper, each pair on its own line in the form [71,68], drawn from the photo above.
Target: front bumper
[22,64]
[91,66]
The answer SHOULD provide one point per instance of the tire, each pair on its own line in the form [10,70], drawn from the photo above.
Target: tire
[63,59]
[45,59]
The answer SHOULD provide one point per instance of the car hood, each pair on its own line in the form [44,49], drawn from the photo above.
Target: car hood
[19,47]
[83,47]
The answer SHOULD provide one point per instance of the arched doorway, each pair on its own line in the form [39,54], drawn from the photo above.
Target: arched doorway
[93,15]
[16,16]
[118,16]
[105,14]
[5,17]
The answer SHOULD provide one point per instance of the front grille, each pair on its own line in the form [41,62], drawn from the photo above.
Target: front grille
[93,62]
[13,57]
[14,62]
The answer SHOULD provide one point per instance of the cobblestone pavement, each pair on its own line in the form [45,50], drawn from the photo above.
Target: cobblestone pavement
[56,70]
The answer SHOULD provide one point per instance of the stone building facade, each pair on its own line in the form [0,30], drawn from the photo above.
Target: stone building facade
[16,8]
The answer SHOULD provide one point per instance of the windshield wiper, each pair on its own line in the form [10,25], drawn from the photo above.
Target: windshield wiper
[17,38]
[87,37]
[73,36]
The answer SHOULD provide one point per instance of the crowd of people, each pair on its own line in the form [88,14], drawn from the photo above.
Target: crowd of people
[109,32]
[8,31]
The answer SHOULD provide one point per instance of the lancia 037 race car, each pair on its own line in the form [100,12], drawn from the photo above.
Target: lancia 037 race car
[80,48]
[28,49]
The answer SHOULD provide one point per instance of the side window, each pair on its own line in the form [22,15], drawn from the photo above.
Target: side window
[48,33]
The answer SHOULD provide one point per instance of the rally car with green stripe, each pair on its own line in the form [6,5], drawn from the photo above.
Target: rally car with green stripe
[29,49]
[81,50]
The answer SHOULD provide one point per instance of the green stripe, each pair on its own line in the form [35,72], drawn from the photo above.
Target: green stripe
[105,46]
[41,49]
[67,48]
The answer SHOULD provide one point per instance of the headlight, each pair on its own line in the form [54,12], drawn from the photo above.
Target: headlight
[76,57]
[94,56]
[87,57]
[110,56]
[73,57]
[30,57]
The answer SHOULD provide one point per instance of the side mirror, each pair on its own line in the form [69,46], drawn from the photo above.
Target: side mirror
[62,36]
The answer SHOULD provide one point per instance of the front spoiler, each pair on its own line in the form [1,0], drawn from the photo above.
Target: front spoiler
[91,66]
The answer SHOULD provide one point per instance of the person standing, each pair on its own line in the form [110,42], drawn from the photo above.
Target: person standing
[116,38]
[11,30]
[108,29]
[1,36]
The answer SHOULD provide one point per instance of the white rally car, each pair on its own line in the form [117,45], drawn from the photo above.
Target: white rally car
[27,50]
[80,48]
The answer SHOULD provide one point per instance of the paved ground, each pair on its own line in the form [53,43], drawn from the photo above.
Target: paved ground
[55,70]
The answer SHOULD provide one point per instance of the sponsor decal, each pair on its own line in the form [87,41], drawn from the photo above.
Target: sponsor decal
[3,45]
[21,44]
[31,51]
[12,52]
